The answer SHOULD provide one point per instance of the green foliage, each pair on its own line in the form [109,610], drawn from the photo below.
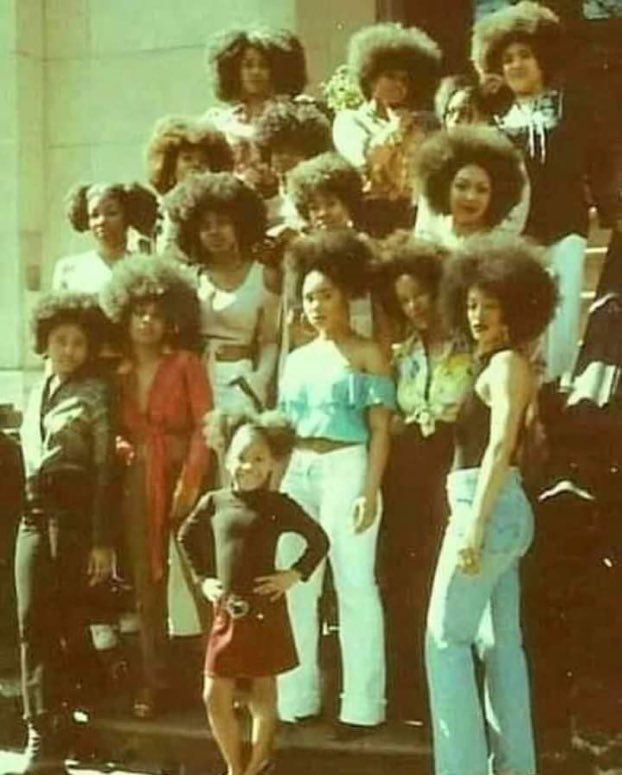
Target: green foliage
[341,91]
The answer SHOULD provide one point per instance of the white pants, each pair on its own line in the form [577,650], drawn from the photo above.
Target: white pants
[566,260]
[326,486]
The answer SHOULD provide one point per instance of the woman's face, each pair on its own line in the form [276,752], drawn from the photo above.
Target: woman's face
[68,349]
[415,300]
[521,70]
[217,234]
[324,304]
[106,220]
[485,317]
[255,76]
[190,160]
[249,460]
[391,88]
[469,197]
[460,110]
[327,211]
[148,324]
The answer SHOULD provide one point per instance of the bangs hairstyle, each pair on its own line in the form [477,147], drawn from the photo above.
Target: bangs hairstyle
[403,254]
[155,278]
[272,426]
[218,192]
[510,269]
[139,205]
[446,152]
[297,126]
[341,255]
[173,134]
[69,308]
[283,52]
[328,173]
[526,22]
[388,46]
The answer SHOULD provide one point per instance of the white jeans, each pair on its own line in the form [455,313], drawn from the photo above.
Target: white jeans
[326,486]
[561,340]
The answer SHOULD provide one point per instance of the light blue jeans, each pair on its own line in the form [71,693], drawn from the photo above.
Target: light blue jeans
[482,613]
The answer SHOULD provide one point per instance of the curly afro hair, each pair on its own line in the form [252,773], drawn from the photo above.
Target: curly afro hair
[403,254]
[508,268]
[526,22]
[298,126]
[173,134]
[220,192]
[67,307]
[388,46]
[483,99]
[139,205]
[155,278]
[283,52]
[342,255]
[446,152]
[328,173]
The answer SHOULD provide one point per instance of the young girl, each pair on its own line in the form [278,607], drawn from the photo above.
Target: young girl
[498,294]
[163,395]
[65,537]
[338,393]
[230,540]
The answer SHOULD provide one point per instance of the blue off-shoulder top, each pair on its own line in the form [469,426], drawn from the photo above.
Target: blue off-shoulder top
[327,399]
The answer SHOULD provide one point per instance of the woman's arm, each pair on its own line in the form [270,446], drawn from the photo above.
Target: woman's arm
[267,337]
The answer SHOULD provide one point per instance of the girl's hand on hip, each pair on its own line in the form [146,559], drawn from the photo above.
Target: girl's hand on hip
[212,589]
[276,584]
[100,565]
[365,510]
[470,555]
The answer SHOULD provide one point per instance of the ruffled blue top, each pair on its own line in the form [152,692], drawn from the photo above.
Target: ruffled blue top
[328,400]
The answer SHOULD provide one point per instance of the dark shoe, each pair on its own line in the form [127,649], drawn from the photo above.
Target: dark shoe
[344,733]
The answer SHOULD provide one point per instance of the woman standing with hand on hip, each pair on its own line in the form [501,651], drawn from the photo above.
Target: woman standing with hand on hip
[497,292]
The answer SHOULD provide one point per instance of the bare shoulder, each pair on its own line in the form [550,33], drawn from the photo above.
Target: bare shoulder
[513,367]
[370,356]
[272,279]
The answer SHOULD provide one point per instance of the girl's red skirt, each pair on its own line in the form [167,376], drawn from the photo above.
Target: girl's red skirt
[250,639]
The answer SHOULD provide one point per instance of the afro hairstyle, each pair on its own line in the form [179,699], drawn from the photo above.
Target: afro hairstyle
[283,52]
[173,134]
[139,205]
[526,22]
[289,124]
[68,307]
[160,279]
[220,192]
[445,152]
[328,173]
[509,268]
[389,46]
[342,255]
[485,99]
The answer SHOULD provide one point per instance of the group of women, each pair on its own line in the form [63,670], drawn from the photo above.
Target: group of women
[284,272]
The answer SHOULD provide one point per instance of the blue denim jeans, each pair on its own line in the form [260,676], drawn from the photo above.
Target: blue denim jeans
[480,613]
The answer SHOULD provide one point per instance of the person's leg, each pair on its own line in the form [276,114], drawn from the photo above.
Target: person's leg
[353,562]
[218,696]
[299,689]
[262,705]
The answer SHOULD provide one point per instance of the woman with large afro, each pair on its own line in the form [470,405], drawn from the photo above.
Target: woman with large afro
[471,178]
[162,395]
[220,222]
[497,293]
[250,69]
[566,144]
[397,70]
[108,211]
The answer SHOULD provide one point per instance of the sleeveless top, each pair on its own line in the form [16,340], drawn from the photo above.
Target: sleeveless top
[472,428]
[231,316]
[325,398]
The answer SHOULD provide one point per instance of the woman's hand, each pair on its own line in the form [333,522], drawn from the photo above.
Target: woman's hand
[100,564]
[276,584]
[212,589]
[470,556]
[365,511]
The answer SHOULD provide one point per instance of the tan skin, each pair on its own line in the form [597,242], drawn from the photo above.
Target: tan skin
[326,308]
[521,71]
[507,385]
[68,351]
[107,225]
[469,199]
[251,465]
